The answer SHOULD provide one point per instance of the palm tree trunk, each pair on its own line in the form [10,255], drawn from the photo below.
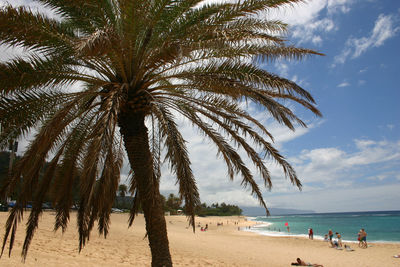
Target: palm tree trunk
[135,135]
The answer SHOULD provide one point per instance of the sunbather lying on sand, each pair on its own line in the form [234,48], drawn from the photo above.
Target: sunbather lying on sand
[348,248]
[300,262]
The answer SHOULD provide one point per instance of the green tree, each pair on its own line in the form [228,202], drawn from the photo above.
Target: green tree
[122,189]
[173,203]
[218,210]
[164,203]
[136,67]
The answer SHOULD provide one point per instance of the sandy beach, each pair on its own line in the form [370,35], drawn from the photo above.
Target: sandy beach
[219,246]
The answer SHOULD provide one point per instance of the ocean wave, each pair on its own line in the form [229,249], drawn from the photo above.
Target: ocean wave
[261,225]
[370,215]
[384,241]
[268,217]
[257,230]
[274,233]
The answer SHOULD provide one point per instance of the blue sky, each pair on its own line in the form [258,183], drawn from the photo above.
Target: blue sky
[349,159]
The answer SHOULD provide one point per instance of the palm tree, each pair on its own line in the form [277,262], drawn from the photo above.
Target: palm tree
[104,78]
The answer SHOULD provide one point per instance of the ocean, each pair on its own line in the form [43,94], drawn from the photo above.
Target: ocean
[381,226]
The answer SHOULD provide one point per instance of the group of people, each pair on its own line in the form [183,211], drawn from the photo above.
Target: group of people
[362,238]
[335,243]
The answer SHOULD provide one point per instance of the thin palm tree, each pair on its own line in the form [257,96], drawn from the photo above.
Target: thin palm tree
[102,78]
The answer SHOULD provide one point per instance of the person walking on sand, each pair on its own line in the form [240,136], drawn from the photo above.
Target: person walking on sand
[363,238]
[310,234]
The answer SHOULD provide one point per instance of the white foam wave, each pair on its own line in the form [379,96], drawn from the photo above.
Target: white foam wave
[273,233]
[254,229]
[268,217]
[261,225]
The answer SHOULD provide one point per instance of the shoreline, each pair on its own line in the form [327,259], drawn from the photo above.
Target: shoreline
[284,233]
[319,238]
[219,246]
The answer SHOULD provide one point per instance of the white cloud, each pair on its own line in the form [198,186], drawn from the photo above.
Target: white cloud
[283,69]
[383,176]
[343,84]
[331,165]
[363,70]
[316,40]
[309,32]
[306,22]
[342,198]
[383,30]
[339,6]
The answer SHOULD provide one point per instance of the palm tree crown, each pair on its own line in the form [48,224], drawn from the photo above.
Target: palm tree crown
[133,67]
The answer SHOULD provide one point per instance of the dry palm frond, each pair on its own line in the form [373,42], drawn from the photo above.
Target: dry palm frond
[178,158]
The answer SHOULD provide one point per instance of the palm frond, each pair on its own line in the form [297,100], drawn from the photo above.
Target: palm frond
[68,172]
[178,158]
[38,198]
[21,27]
[83,14]
[234,157]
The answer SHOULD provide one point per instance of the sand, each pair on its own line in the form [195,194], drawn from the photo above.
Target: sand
[219,246]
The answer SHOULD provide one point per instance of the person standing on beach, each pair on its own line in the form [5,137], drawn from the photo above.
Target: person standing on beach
[339,239]
[310,234]
[330,234]
[363,238]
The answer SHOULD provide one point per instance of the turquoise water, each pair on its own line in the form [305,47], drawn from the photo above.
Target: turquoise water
[381,226]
